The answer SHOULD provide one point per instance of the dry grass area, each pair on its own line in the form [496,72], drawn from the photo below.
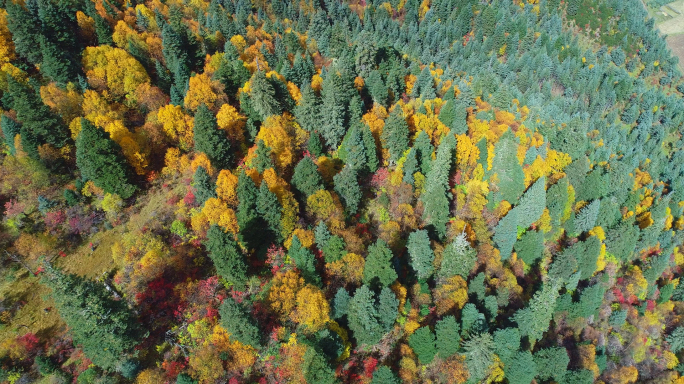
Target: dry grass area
[670,22]
[27,300]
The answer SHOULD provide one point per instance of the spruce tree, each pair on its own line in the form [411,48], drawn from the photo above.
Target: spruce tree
[314,144]
[209,139]
[424,149]
[263,96]
[204,186]
[384,375]
[378,268]
[372,162]
[422,341]
[347,186]
[269,209]
[306,178]
[247,215]
[332,121]
[447,334]
[10,129]
[304,260]
[352,150]
[239,323]
[458,258]
[308,111]
[377,88]
[395,134]
[35,116]
[104,328]
[99,159]
[420,253]
[225,254]
[508,169]
[363,317]
[436,197]
[263,159]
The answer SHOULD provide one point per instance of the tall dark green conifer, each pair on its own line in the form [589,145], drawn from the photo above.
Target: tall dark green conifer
[99,159]
[263,96]
[210,140]
[395,134]
[306,178]
[104,328]
[269,209]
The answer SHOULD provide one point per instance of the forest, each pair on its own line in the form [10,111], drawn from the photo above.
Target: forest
[339,191]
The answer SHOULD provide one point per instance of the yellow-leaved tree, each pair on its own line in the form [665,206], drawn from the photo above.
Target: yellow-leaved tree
[113,69]
[313,310]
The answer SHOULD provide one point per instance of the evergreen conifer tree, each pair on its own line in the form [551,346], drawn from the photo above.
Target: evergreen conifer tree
[205,188]
[306,178]
[269,209]
[225,254]
[436,196]
[421,254]
[99,159]
[209,139]
[102,327]
[378,268]
[308,111]
[395,134]
[236,320]
[347,186]
[263,96]
[263,160]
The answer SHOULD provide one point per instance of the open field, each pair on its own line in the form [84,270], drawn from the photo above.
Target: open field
[670,21]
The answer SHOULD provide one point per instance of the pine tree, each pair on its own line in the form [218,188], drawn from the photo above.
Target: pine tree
[248,218]
[102,327]
[384,375]
[225,254]
[237,321]
[534,320]
[521,369]
[347,186]
[585,219]
[506,343]
[204,186]
[23,24]
[422,341]
[436,196]
[530,247]
[36,116]
[424,150]
[306,178]
[479,355]
[209,139]
[458,258]
[388,309]
[508,169]
[263,159]
[551,363]
[395,134]
[372,162]
[99,159]
[332,121]
[378,268]
[447,335]
[269,209]
[424,86]
[308,112]
[420,253]
[532,204]
[352,150]
[304,260]
[377,88]
[341,303]
[314,144]
[10,129]
[263,96]
[316,369]
[363,317]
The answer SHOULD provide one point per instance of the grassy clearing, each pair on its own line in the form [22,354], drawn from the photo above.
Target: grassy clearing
[89,263]
[19,289]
